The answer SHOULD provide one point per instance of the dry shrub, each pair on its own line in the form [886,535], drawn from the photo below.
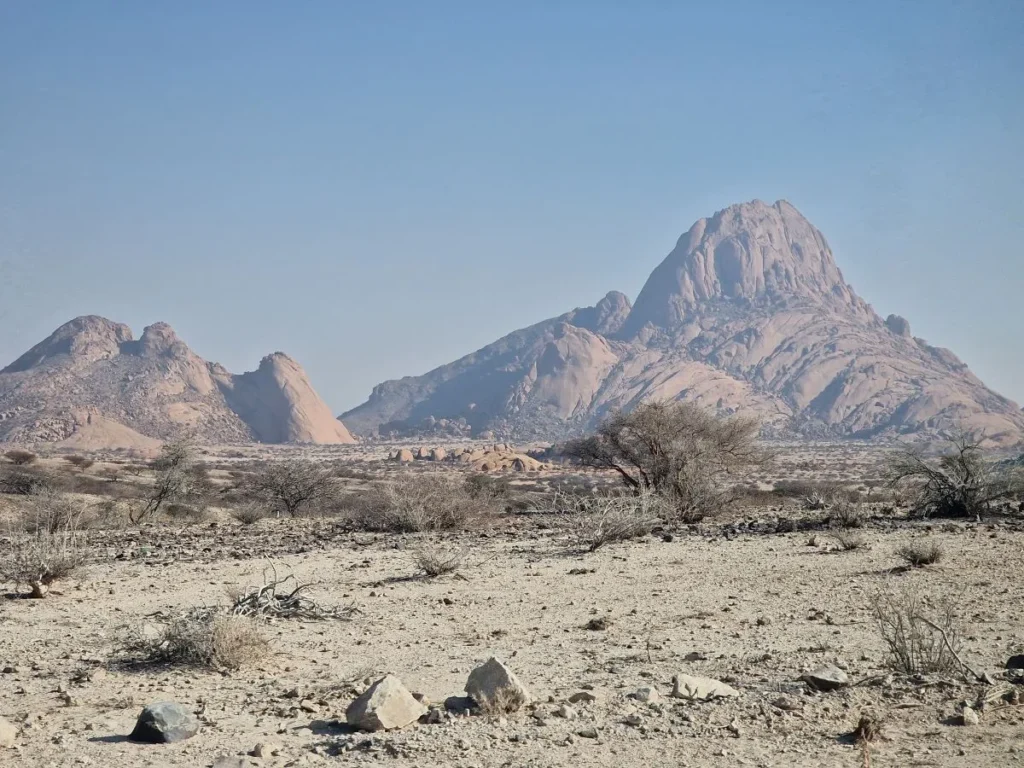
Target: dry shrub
[960,483]
[918,554]
[250,513]
[20,458]
[843,513]
[46,547]
[295,487]
[24,481]
[505,701]
[677,450]
[921,637]
[81,463]
[849,541]
[437,561]
[593,521]
[424,502]
[205,637]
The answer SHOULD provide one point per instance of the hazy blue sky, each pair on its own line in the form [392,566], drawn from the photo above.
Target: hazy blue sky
[379,188]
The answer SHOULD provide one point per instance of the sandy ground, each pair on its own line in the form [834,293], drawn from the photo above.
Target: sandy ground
[758,609]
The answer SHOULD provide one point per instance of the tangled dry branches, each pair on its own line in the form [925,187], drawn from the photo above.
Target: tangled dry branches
[272,599]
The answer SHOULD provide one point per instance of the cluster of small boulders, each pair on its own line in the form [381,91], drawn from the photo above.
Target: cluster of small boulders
[492,458]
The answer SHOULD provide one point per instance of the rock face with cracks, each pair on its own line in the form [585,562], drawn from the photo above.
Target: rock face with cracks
[164,723]
[384,706]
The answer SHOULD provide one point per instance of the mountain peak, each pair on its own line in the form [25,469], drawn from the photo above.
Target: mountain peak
[750,254]
[604,318]
[85,339]
[160,340]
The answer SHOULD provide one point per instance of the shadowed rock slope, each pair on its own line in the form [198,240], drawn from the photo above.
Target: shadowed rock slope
[91,384]
[748,312]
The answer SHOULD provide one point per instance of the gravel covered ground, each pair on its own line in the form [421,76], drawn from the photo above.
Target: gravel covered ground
[753,610]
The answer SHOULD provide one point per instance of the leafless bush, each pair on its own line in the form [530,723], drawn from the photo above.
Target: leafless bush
[204,637]
[437,561]
[250,513]
[677,450]
[291,487]
[960,483]
[917,554]
[47,548]
[176,482]
[594,521]
[20,458]
[921,637]
[435,501]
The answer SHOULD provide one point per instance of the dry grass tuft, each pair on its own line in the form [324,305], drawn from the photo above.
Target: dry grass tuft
[918,554]
[204,637]
[505,701]
[250,513]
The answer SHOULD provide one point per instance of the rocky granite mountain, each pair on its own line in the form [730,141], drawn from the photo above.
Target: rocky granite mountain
[92,385]
[749,312]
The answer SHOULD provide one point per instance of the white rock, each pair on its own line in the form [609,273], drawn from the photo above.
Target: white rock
[700,688]
[387,704]
[493,681]
[8,733]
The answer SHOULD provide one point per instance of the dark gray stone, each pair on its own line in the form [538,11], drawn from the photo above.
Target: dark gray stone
[164,723]
[827,678]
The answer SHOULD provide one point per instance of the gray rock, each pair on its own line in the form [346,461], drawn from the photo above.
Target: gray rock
[827,678]
[566,711]
[164,723]
[230,761]
[700,688]
[969,717]
[646,694]
[8,733]
[587,733]
[387,704]
[494,682]
[583,697]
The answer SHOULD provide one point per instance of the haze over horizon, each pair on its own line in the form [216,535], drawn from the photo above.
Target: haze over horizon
[378,191]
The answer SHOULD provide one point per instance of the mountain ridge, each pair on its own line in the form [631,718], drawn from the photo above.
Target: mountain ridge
[91,381]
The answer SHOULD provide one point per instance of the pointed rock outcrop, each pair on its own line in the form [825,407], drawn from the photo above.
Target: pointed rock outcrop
[749,312]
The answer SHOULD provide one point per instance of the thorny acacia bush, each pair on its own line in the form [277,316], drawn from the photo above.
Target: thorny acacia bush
[593,521]
[433,501]
[921,635]
[47,545]
[960,483]
[20,458]
[291,487]
[680,451]
[204,637]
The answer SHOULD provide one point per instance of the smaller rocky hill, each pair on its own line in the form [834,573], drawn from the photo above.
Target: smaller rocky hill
[91,384]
